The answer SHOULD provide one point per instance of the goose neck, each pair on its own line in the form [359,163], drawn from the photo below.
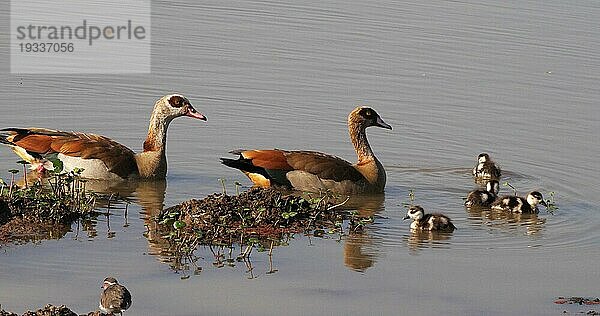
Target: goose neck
[358,137]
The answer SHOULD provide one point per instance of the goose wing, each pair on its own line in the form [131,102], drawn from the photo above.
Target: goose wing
[39,141]
[273,164]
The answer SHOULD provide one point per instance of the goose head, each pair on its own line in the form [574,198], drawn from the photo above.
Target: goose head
[175,105]
[534,198]
[415,212]
[364,116]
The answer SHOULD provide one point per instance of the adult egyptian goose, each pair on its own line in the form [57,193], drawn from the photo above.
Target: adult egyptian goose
[314,171]
[99,156]
[517,204]
[115,298]
[433,221]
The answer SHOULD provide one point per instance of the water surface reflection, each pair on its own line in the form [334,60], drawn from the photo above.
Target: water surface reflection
[418,240]
[361,249]
[514,223]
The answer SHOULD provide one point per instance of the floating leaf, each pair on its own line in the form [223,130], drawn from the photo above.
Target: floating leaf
[179,225]
[57,164]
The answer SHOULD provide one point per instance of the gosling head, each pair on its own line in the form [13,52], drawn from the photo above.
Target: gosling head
[483,158]
[415,212]
[534,198]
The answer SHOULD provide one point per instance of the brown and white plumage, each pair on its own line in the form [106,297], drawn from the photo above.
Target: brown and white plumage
[486,168]
[315,171]
[517,204]
[433,221]
[483,198]
[99,156]
[115,298]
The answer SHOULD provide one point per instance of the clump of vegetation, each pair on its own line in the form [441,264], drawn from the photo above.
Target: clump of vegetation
[578,300]
[48,310]
[43,206]
[258,218]
[221,219]
[550,203]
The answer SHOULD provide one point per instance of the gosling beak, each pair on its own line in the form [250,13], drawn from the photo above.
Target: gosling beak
[544,203]
[381,123]
[191,112]
[406,217]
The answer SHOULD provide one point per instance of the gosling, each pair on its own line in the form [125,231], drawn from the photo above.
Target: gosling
[431,222]
[517,204]
[486,168]
[483,198]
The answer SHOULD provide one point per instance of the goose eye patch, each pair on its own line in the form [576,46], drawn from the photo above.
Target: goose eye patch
[177,101]
[367,113]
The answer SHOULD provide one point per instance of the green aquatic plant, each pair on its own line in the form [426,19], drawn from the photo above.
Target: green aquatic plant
[357,223]
[411,199]
[12,181]
[237,187]
[510,185]
[551,206]
[57,164]
[56,198]
[2,186]
[222,181]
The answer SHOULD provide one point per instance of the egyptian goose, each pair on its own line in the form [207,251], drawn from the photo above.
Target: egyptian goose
[517,204]
[99,156]
[434,221]
[483,198]
[486,168]
[114,298]
[315,171]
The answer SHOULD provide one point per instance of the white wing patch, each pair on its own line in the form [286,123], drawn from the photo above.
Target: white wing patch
[92,168]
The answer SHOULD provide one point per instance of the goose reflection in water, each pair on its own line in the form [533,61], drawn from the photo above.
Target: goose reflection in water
[419,239]
[149,195]
[526,223]
[361,250]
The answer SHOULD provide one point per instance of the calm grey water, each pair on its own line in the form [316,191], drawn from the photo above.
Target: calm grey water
[517,79]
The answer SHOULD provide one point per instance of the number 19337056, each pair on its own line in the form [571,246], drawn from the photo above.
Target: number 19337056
[46,47]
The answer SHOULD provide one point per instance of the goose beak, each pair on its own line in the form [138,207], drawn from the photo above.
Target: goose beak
[191,112]
[381,123]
